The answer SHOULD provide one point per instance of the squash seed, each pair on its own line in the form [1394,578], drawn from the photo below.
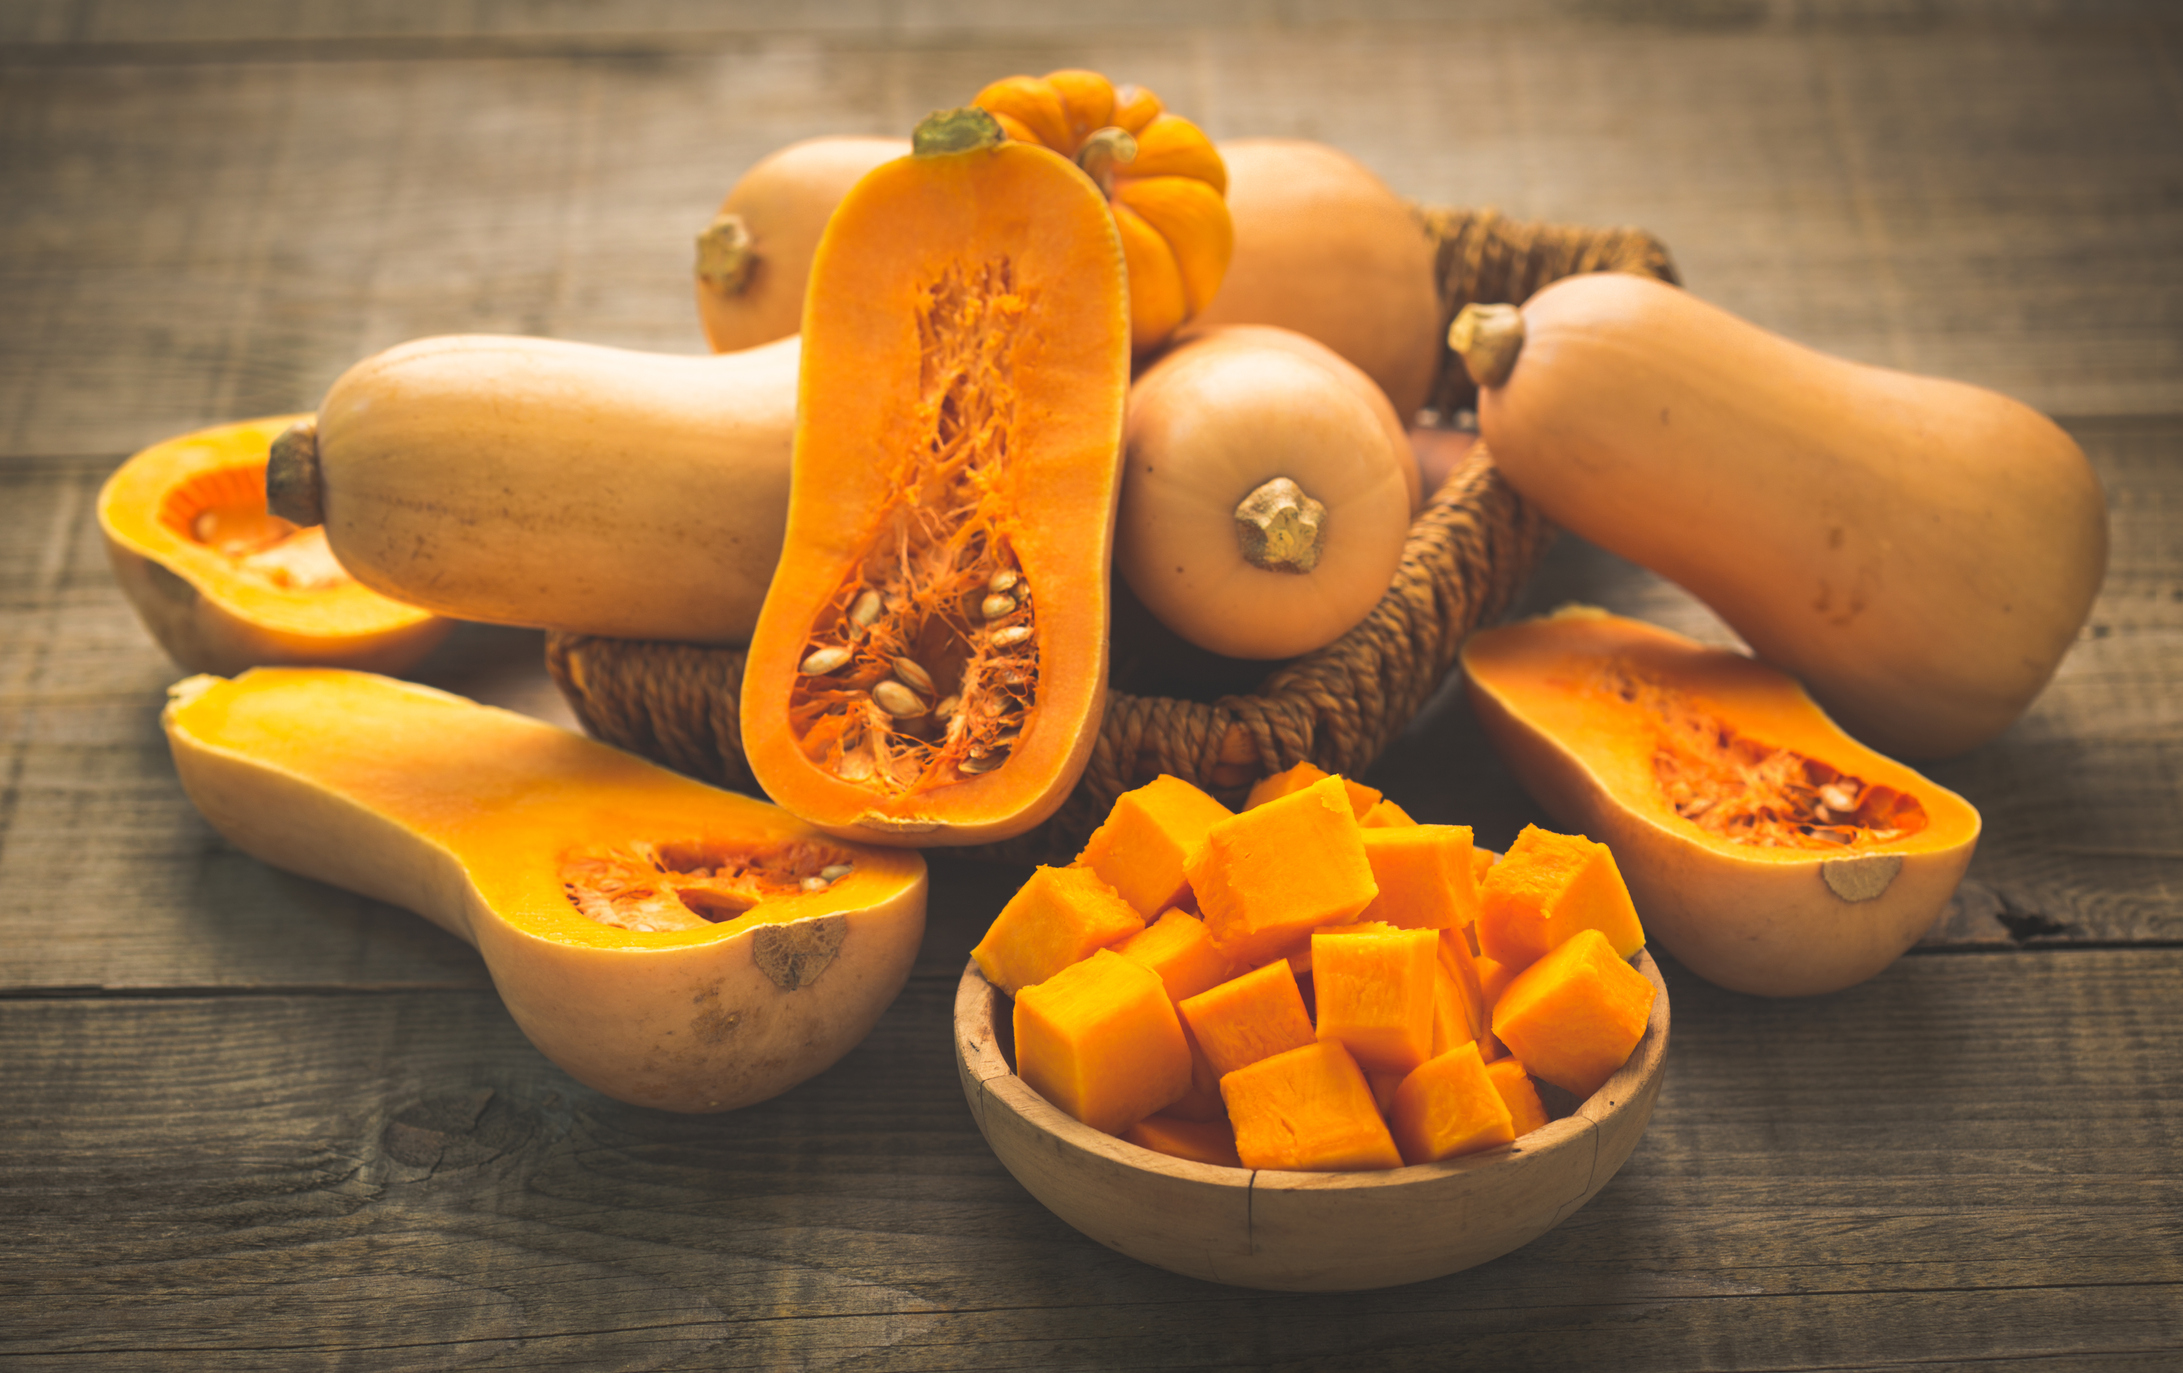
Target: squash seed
[834,872]
[1003,580]
[977,764]
[816,884]
[1011,635]
[997,605]
[913,675]
[897,699]
[824,660]
[948,706]
[865,613]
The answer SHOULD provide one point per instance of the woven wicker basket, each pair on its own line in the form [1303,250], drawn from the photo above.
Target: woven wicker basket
[1468,554]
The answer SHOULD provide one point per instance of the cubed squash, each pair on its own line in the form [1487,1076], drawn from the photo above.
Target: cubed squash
[1178,948]
[1575,1014]
[1268,877]
[1374,985]
[1201,1141]
[1248,1018]
[1546,888]
[1055,918]
[1309,1109]
[1385,815]
[1447,1106]
[1510,1078]
[1100,1040]
[1361,797]
[1423,873]
[1147,835]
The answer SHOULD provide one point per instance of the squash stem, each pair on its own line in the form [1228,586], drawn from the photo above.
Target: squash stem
[956,131]
[1488,338]
[726,256]
[1280,528]
[1103,151]
[292,487]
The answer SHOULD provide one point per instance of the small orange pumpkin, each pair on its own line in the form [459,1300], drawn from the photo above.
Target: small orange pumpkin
[1161,175]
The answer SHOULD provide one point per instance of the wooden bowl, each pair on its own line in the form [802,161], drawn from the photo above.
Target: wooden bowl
[1302,1232]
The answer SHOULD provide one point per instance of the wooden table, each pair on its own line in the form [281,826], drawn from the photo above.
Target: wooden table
[250,1122]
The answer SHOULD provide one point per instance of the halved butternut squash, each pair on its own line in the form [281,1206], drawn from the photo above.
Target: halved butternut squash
[930,663]
[666,943]
[1766,849]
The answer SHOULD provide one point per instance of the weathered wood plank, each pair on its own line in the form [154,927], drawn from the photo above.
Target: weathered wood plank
[285,216]
[1967,1158]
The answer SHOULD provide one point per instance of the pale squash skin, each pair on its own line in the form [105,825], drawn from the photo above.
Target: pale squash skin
[784,202]
[1920,553]
[1761,920]
[208,618]
[1323,247]
[562,485]
[460,811]
[1213,419]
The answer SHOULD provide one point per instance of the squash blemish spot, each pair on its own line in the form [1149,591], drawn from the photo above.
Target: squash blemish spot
[923,666]
[795,955]
[1862,878]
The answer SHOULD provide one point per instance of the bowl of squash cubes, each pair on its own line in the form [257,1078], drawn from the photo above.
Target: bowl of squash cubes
[1312,1045]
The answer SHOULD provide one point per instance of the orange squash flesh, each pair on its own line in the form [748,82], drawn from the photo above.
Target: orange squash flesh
[1059,915]
[1200,1141]
[1274,873]
[1448,1107]
[666,943]
[1101,1040]
[1765,848]
[1141,847]
[222,584]
[930,663]
[1509,1078]
[1177,947]
[1372,985]
[1546,888]
[1247,1018]
[1423,873]
[1574,1015]
[1308,1110]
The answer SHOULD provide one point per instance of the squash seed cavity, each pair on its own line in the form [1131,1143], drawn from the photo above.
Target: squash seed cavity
[923,668]
[689,886]
[1748,791]
[223,511]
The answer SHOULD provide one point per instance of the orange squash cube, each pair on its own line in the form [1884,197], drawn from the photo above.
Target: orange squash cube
[1361,797]
[1177,947]
[1374,985]
[1525,1111]
[1140,849]
[1248,1018]
[1424,876]
[1268,877]
[1309,1109]
[1546,888]
[1202,1101]
[1385,815]
[1100,1040]
[1055,918]
[1574,1015]
[1448,1106]
[1459,1005]
[1200,1141]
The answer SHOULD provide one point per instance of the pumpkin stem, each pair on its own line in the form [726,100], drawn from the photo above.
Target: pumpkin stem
[1488,338]
[292,487]
[1103,151]
[956,131]
[1279,528]
[726,255]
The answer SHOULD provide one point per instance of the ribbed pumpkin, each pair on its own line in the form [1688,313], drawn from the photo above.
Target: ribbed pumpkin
[1161,175]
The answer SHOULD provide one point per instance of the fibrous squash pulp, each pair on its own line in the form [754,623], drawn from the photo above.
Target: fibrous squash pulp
[666,943]
[930,664]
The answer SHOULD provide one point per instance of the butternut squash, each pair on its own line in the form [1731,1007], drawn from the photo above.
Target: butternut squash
[1766,849]
[1323,247]
[1918,552]
[1267,491]
[224,585]
[1101,1040]
[663,942]
[930,664]
[557,485]
[754,257]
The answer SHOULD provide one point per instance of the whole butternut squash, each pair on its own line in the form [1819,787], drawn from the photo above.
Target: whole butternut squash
[558,485]
[755,256]
[931,661]
[1323,247]
[1267,490]
[223,584]
[663,942]
[1767,850]
[1920,553]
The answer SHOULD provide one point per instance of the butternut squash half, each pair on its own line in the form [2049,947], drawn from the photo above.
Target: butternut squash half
[930,664]
[1918,552]
[223,584]
[666,943]
[557,485]
[1766,849]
